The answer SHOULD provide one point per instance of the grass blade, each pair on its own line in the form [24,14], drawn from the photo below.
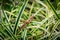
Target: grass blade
[53,9]
[20,13]
[24,34]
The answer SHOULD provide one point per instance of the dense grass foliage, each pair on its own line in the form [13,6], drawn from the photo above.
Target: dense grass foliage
[29,19]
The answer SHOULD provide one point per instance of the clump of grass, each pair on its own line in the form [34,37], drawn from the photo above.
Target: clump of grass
[36,20]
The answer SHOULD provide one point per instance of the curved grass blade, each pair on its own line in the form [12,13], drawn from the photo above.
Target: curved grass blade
[20,13]
[53,9]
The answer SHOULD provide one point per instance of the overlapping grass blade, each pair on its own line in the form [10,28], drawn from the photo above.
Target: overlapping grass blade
[55,36]
[4,33]
[20,13]
[56,24]
[1,37]
[9,33]
[9,30]
[7,20]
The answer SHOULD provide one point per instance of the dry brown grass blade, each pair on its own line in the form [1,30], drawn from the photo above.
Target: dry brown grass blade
[27,22]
